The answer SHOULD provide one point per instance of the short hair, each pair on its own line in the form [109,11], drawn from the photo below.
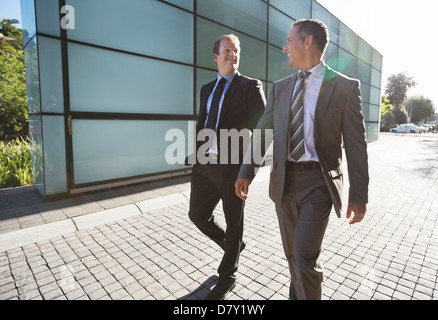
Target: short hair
[315,28]
[217,43]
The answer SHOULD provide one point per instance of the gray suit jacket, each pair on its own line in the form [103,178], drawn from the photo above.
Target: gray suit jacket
[338,122]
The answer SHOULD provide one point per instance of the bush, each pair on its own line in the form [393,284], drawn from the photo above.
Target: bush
[15,163]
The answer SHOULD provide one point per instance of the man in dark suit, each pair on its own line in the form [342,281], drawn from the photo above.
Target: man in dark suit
[231,104]
[313,113]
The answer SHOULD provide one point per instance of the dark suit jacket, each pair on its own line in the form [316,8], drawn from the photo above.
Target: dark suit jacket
[338,121]
[243,105]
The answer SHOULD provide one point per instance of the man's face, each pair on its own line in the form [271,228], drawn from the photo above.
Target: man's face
[295,49]
[228,58]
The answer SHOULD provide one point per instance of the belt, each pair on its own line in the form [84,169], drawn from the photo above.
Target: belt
[302,166]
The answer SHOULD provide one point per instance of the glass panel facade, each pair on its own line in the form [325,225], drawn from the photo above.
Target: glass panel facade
[279,26]
[248,16]
[108,81]
[28,19]
[295,8]
[55,167]
[155,28]
[186,4]
[111,149]
[48,17]
[278,64]
[52,96]
[319,12]
[123,89]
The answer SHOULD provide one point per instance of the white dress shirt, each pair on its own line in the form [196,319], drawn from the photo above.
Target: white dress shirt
[312,86]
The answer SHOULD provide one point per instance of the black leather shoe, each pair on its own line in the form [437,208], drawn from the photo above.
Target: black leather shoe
[222,288]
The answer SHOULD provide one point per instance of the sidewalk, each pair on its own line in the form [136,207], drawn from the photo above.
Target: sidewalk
[138,242]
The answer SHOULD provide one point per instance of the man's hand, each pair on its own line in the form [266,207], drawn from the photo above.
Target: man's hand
[358,210]
[241,187]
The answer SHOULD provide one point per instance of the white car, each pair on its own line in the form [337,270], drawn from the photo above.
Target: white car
[405,128]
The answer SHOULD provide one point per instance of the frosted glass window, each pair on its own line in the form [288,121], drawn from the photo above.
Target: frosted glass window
[375,96]
[365,91]
[332,23]
[365,52]
[143,26]
[279,27]
[111,149]
[376,77]
[278,65]
[374,113]
[377,60]
[348,40]
[245,15]
[55,168]
[331,55]
[36,152]
[372,131]
[253,52]
[203,77]
[186,4]
[32,76]
[347,63]
[106,81]
[297,9]
[28,19]
[48,17]
[52,99]
[364,71]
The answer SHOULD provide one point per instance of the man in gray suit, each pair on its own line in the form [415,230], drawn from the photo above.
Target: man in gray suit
[313,114]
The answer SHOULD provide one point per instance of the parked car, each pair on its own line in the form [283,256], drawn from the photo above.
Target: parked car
[405,128]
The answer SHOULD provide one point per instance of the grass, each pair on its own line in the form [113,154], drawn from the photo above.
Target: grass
[15,163]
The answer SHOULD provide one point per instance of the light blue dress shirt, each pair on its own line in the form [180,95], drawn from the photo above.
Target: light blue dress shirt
[229,78]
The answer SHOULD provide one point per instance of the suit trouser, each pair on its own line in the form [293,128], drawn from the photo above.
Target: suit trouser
[303,216]
[211,183]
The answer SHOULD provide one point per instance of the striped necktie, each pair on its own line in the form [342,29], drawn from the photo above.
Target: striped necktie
[296,141]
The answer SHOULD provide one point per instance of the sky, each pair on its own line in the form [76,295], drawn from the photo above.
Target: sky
[403,31]
[387,25]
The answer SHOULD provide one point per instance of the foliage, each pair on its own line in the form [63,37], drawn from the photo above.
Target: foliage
[392,118]
[385,106]
[420,109]
[397,88]
[15,163]
[13,93]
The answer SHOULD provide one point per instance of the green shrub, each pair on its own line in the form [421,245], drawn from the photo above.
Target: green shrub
[15,163]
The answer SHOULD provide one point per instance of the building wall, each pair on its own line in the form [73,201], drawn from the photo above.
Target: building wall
[108,79]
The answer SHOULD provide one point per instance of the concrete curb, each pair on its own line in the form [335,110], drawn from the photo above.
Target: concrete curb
[26,236]
[31,235]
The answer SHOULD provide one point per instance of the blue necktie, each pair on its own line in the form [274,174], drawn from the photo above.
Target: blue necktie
[214,107]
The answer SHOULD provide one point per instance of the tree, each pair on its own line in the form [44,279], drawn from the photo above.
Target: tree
[386,106]
[420,109]
[13,93]
[397,88]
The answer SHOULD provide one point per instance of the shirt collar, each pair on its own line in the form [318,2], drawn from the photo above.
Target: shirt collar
[318,71]
[228,77]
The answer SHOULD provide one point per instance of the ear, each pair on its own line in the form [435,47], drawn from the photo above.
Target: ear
[215,58]
[308,41]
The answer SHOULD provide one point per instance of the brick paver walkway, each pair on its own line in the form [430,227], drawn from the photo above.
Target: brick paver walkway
[159,254]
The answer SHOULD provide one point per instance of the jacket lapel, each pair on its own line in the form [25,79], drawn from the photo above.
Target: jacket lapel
[325,93]
[228,95]
[203,102]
